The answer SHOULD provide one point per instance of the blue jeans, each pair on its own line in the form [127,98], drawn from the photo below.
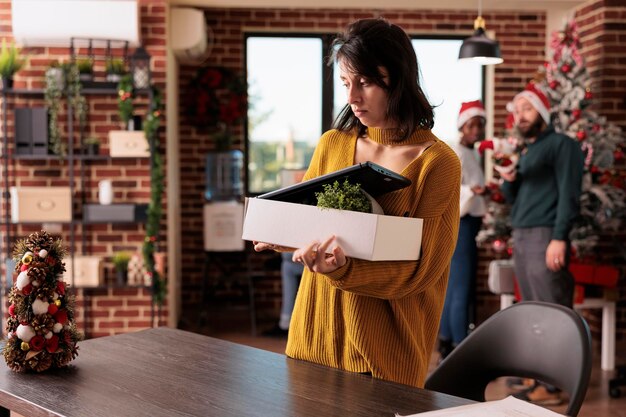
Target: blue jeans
[454,321]
[290,273]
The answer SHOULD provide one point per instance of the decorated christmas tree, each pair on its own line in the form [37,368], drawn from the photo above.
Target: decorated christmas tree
[567,84]
[41,333]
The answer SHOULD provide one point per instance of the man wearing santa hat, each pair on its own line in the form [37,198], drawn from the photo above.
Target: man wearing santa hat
[545,192]
[454,319]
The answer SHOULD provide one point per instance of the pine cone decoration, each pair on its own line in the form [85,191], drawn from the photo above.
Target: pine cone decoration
[42,322]
[39,240]
[40,362]
[38,272]
[62,358]
[12,323]
[15,360]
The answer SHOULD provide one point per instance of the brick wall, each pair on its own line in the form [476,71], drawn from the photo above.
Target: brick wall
[602,29]
[522,39]
[105,311]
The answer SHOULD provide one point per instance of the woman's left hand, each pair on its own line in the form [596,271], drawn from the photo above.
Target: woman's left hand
[315,258]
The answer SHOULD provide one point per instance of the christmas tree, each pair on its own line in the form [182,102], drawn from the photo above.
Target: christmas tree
[567,84]
[41,333]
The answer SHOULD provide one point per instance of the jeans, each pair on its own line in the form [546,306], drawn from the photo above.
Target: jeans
[454,319]
[290,273]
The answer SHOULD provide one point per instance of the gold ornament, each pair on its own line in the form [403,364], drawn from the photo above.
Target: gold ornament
[25,346]
[57,303]
[27,258]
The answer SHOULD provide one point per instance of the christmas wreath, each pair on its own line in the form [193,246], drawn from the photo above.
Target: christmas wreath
[217,98]
[41,333]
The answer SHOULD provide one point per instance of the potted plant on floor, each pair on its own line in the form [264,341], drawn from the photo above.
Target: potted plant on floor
[10,63]
[120,262]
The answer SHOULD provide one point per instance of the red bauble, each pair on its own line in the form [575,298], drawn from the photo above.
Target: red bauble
[509,251]
[566,68]
[61,317]
[498,245]
[581,135]
[588,95]
[576,114]
[12,310]
[618,155]
[27,289]
[23,268]
[498,197]
[52,344]
[52,309]
[554,84]
[61,287]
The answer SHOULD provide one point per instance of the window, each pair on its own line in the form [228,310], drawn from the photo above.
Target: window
[294,97]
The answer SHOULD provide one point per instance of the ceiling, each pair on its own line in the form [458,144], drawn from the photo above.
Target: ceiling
[387,4]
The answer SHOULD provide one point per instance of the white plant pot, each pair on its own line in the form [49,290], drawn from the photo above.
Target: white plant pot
[105,192]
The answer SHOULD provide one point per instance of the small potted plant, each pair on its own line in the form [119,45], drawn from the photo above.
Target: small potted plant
[115,69]
[120,262]
[10,63]
[92,146]
[56,74]
[85,69]
[347,196]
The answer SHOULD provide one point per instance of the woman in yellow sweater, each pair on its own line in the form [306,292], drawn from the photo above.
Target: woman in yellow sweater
[380,318]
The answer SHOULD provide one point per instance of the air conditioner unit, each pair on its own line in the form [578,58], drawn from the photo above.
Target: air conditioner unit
[53,23]
[191,39]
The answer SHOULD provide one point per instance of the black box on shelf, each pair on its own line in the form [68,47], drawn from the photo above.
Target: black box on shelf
[114,213]
[31,131]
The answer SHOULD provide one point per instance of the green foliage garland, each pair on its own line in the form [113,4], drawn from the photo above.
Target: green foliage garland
[155,207]
[125,98]
[343,197]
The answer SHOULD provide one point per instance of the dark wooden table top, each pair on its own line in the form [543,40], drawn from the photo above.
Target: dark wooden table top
[168,372]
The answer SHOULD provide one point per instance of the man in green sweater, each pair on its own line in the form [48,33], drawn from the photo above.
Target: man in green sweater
[545,192]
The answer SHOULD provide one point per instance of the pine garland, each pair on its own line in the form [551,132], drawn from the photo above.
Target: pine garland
[41,333]
[155,207]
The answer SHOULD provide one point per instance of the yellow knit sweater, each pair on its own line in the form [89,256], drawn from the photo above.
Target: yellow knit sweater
[383,317]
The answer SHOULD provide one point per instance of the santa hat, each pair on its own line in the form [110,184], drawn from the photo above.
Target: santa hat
[536,98]
[468,110]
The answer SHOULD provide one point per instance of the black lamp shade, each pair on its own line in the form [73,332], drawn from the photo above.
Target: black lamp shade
[481,49]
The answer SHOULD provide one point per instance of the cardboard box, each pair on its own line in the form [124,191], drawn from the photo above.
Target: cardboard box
[89,271]
[361,235]
[41,204]
[128,143]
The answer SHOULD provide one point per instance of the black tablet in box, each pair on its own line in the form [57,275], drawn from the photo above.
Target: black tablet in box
[374,179]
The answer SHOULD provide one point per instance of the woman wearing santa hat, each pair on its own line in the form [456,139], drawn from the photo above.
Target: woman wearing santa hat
[454,319]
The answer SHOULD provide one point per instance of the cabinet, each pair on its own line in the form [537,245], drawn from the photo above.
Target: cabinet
[78,172]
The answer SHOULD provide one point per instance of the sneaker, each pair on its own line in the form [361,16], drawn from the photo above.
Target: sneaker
[519,384]
[540,395]
[276,331]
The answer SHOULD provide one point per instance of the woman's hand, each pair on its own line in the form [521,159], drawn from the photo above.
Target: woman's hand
[261,246]
[315,258]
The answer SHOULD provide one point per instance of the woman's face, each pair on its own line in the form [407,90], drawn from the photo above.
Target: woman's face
[367,100]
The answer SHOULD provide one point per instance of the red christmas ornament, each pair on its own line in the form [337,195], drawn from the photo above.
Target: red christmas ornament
[566,68]
[581,135]
[588,95]
[509,251]
[554,84]
[596,128]
[618,155]
[52,344]
[27,289]
[498,197]
[61,287]
[498,245]
[61,317]
[594,169]
[12,310]
[23,268]
[52,309]
[576,114]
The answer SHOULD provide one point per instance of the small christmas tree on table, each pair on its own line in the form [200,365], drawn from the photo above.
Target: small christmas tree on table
[41,330]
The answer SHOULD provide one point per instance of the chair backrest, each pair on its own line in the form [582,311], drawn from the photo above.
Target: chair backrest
[531,339]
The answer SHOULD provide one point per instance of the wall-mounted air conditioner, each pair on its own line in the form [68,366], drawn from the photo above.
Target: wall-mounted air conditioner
[53,23]
[190,38]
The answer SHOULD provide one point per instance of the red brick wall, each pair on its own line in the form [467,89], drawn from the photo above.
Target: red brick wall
[602,28]
[522,39]
[106,311]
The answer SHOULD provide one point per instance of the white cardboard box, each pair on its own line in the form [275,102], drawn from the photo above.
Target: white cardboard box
[128,143]
[89,271]
[361,235]
[41,204]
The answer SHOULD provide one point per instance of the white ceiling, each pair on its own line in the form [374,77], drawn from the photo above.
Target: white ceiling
[388,4]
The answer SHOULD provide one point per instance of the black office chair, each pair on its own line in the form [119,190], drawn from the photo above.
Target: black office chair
[537,340]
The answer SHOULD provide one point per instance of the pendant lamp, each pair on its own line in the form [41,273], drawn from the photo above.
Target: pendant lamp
[478,47]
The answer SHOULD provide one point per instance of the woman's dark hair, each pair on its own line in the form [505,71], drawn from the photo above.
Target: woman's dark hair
[363,48]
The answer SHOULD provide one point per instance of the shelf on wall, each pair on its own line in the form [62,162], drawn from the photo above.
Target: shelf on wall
[114,213]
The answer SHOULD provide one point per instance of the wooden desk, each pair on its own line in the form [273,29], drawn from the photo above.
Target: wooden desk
[168,372]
